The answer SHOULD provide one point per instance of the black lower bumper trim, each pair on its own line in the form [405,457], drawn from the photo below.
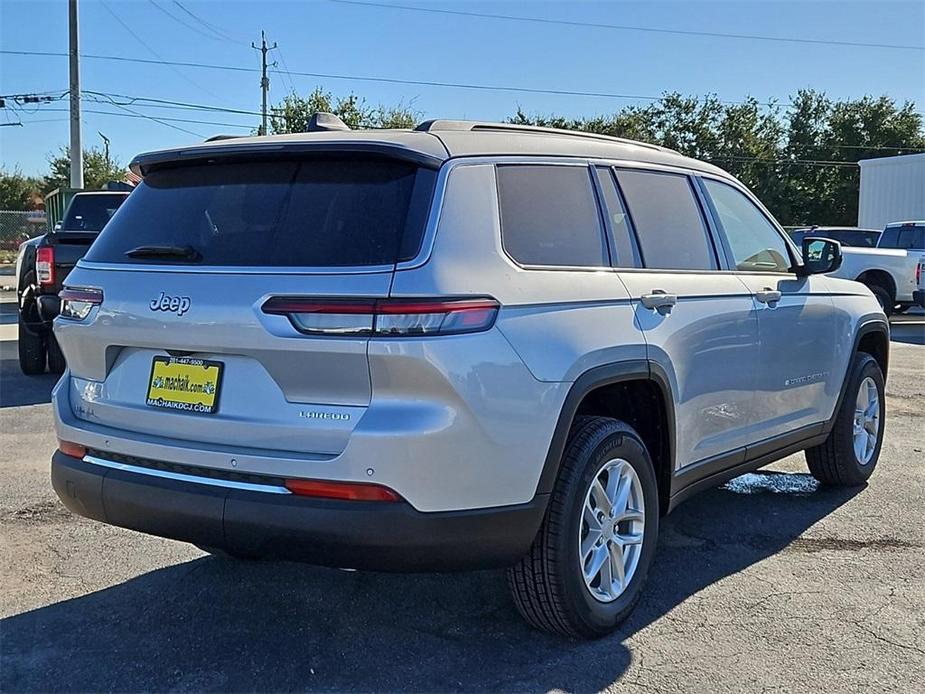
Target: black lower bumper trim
[918,297]
[349,534]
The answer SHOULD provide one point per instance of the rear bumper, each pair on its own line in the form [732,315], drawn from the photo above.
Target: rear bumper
[918,297]
[362,535]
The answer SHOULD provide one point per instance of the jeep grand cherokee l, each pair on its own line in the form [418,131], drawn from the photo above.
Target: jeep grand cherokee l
[469,345]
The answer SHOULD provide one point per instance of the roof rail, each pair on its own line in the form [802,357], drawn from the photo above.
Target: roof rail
[220,136]
[478,126]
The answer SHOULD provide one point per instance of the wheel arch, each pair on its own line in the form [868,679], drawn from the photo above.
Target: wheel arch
[879,278]
[872,337]
[615,390]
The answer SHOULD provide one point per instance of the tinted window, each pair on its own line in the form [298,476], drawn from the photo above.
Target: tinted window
[912,238]
[618,221]
[299,213]
[866,239]
[755,243]
[669,224]
[889,238]
[90,212]
[549,216]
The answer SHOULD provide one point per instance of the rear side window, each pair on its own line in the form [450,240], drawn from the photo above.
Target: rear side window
[755,243]
[316,212]
[669,224]
[549,216]
[912,238]
[618,221]
[90,212]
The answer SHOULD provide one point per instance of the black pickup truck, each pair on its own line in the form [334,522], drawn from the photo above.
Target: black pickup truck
[43,264]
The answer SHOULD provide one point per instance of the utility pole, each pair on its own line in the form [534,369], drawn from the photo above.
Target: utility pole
[264,80]
[77,155]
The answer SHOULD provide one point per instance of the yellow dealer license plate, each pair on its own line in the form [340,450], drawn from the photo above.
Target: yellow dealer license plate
[185,384]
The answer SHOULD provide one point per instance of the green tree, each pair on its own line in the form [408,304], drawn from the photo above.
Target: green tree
[17,191]
[97,170]
[294,112]
[801,162]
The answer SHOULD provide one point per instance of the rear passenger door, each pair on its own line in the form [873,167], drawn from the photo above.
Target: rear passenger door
[797,384]
[699,323]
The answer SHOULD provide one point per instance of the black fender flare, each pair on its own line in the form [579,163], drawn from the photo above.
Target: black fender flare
[869,327]
[607,374]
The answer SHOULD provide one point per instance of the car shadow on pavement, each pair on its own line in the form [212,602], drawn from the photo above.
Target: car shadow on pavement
[17,389]
[215,624]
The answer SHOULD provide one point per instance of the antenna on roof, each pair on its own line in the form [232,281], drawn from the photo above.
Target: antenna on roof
[325,122]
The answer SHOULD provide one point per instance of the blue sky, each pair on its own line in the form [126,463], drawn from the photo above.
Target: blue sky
[347,39]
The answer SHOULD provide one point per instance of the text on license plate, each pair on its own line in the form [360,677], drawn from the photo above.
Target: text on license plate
[185,384]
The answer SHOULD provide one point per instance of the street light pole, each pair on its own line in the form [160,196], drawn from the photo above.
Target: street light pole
[77,156]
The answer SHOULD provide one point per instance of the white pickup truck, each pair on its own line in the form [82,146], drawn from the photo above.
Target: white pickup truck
[889,270]
[918,296]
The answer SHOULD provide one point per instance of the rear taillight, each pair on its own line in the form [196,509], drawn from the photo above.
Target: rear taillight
[918,273]
[76,302]
[385,317]
[45,266]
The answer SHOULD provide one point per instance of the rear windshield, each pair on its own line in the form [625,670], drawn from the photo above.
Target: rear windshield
[297,213]
[90,212]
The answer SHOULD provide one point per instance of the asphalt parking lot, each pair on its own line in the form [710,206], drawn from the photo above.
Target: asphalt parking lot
[768,584]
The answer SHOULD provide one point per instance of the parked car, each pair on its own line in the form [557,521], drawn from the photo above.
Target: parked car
[889,269]
[42,266]
[469,345]
[846,236]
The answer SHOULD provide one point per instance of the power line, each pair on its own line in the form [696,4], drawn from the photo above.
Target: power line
[209,25]
[152,51]
[385,80]
[364,78]
[173,104]
[627,27]
[211,35]
[136,114]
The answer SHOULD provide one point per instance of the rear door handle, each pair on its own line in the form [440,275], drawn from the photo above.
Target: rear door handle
[659,300]
[768,296]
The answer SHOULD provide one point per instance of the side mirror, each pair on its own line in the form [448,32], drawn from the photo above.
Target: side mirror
[819,256]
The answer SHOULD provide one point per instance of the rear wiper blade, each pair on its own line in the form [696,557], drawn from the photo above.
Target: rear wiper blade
[173,252]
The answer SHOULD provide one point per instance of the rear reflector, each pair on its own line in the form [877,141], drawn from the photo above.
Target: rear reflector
[75,450]
[45,266]
[385,317]
[345,491]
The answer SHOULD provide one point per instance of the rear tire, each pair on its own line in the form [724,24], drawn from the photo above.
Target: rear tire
[551,585]
[56,362]
[31,350]
[849,455]
[883,298]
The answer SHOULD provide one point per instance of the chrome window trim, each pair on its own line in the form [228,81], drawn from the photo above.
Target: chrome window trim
[180,477]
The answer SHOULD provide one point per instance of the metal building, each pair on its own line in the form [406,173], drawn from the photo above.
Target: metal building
[892,190]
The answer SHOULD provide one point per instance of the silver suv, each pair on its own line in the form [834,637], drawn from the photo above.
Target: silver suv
[468,345]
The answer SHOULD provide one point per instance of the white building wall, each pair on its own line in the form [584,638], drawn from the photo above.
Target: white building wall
[892,190]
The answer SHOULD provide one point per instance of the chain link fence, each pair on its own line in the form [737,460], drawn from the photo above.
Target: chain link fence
[16,227]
